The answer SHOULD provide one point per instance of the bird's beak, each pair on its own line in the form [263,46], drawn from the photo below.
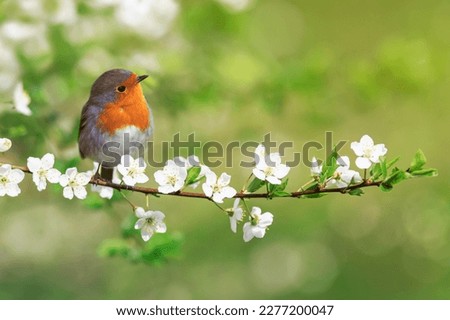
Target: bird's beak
[140,78]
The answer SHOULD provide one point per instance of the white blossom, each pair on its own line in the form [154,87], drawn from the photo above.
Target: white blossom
[104,192]
[149,222]
[74,183]
[343,176]
[190,162]
[148,17]
[236,5]
[218,189]
[5,144]
[171,178]
[132,170]
[367,152]
[9,180]
[257,225]
[43,170]
[21,100]
[269,167]
[235,215]
[315,169]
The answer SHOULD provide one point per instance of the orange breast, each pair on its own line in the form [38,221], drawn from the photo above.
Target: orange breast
[130,109]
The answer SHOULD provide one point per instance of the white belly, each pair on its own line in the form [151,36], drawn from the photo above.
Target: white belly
[129,140]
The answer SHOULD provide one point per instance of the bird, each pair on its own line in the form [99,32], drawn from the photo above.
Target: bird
[116,120]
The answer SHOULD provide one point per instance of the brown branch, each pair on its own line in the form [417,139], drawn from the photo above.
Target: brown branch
[241,195]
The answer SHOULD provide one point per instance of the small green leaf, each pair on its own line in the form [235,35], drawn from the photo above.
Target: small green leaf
[383,167]
[389,164]
[127,227]
[425,173]
[395,177]
[113,247]
[386,187]
[277,193]
[356,192]
[278,189]
[192,175]
[329,166]
[376,172]
[161,248]
[255,185]
[418,161]
[313,196]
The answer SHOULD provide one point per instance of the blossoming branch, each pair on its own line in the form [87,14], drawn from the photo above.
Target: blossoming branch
[269,173]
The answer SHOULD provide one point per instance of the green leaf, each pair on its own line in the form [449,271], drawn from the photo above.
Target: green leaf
[356,192]
[277,190]
[329,166]
[255,185]
[313,196]
[383,167]
[389,164]
[114,247]
[277,193]
[395,177]
[127,227]
[418,162]
[376,172]
[161,248]
[192,175]
[425,173]
[385,187]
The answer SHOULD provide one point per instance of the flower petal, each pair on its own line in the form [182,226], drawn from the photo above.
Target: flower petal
[228,192]
[5,144]
[160,177]
[256,212]
[281,171]
[217,197]
[129,181]
[139,212]
[224,179]
[366,141]
[160,227]
[33,164]
[248,232]
[207,189]
[166,189]
[141,178]
[71,173]
[157,215]
[53,175]
[273,180]
[68,193]
[48,161]
[80,192]
[63,180]
[265,220]
[140,223]
[259,174]
[363,163]
[146,232]
[258,232]
[82,178]
[16,176]
[12,190]
[357,148]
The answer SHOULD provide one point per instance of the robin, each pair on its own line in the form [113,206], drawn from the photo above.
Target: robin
[116,120]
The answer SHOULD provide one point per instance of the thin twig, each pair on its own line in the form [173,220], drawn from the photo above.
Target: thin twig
[241,195]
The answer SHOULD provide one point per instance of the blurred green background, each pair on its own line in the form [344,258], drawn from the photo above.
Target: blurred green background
[235,70]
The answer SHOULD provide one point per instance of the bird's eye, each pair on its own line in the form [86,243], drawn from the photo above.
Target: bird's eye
[121,89]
